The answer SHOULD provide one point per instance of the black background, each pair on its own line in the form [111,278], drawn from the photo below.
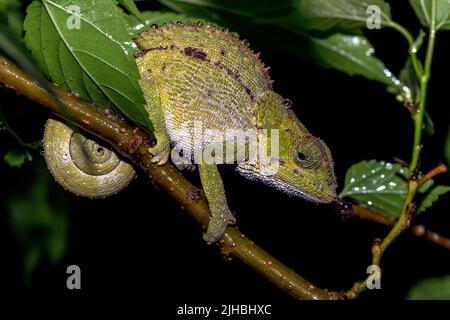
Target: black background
[140,242]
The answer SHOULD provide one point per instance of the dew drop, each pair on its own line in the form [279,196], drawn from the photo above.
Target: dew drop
[370,52]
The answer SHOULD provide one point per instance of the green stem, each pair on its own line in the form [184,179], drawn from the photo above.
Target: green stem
[404,220]
[412,49]
[418,117]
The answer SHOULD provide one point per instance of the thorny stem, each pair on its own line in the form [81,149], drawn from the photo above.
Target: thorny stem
[133,143]
[404,220]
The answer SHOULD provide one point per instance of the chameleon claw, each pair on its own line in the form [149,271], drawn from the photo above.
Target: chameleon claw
[161,151]
[217,226]
[160,156]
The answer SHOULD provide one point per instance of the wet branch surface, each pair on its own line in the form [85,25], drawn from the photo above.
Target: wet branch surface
[133,143]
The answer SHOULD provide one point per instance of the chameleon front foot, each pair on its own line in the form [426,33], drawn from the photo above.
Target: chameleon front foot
[159,156]
[161,151]
[217,225]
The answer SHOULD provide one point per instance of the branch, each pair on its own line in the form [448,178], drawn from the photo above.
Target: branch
[133,143]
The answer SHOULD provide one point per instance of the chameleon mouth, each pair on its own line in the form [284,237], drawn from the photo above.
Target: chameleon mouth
[315,192]
[319,195]
[322,197]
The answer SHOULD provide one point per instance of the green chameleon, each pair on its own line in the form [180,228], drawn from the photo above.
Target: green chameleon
[194,73]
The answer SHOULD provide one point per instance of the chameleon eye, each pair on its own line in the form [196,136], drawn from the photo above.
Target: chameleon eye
[287,103]
[301,156]
[308,153]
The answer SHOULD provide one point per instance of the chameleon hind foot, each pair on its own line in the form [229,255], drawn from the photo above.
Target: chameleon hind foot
[188,167]
[221,215]
[218,224]
[182,163]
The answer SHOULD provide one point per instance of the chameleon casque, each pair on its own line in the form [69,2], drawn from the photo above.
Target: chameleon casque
[191,72]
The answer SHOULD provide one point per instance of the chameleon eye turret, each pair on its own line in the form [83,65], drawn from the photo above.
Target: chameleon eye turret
[308,153]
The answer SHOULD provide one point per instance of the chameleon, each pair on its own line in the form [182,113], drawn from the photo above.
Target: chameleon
[200,73]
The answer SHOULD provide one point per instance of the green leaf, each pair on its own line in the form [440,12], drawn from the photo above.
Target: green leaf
[39,220]
[410,91]
[423,9]
[247,8]
[431,197]
[428,124]
[15,158]
[409,78]
[324,15]
[158,18]
[380,186]
[96,36]
[431,289]
[352,54]
[131,7]
[53,57]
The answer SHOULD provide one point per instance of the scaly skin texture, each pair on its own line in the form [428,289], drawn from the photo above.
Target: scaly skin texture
[199,73]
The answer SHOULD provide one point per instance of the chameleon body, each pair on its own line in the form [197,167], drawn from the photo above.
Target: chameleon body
[200,73]
[194,73]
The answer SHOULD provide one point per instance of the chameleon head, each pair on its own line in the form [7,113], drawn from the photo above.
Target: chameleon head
[299,163]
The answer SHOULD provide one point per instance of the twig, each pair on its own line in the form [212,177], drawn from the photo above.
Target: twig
[134,143]
[417,230]
[441,168]
[420,231]
[368,214]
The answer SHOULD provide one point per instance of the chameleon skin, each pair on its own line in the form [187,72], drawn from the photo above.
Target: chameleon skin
[81,165]
[191,73]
